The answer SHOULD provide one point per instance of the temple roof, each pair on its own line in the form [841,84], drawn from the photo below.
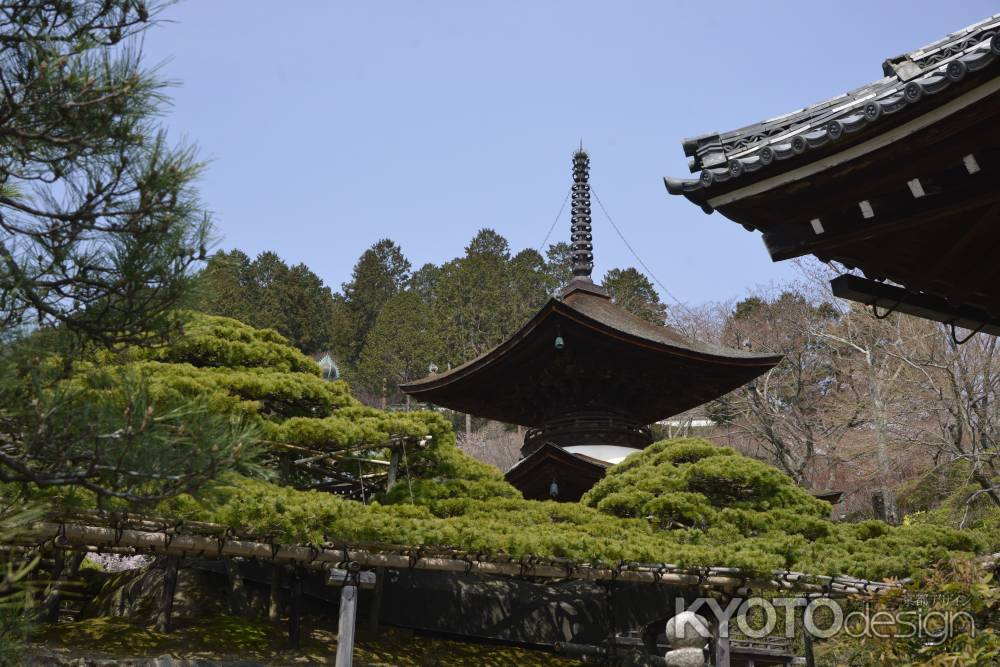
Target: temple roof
[896,181]
[913,83]
[612,360]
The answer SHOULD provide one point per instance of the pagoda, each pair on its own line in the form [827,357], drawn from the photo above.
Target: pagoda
[586,377]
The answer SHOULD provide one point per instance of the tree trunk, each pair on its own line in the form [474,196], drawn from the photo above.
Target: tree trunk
[51,603]
[879,509]
[881,442]
[989,487]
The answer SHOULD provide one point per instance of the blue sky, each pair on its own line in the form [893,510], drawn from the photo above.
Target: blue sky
[330,125]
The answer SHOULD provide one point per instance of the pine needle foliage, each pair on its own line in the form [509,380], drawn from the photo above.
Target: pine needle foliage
[101,227]
[256,378]
[517,527]
[773,525]
[683,501]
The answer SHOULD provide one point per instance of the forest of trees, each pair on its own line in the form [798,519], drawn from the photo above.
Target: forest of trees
[390,323]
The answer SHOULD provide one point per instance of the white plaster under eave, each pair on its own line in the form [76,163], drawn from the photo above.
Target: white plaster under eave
[609,453]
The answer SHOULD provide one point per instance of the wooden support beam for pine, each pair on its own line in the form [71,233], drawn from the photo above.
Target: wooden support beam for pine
[52,599]
[807,640]
[395,557]
[169,589]
[345,627]
[238,600]
[393,443]
[68,567]
[720,648]
[393,468]
[376,608]
[295,617]
[274,599]
[353,576]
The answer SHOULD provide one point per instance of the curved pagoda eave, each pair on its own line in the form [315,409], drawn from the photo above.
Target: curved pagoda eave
[612,362]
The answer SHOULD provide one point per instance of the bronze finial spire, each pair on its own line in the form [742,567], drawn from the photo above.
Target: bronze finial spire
[581,237]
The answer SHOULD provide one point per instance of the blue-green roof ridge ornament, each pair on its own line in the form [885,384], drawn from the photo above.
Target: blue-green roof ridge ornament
[330,369]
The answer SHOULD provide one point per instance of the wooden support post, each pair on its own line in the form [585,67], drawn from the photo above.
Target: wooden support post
[169,589]
[285,468]
[274,600]
[53,598]
[295,617]
[68,569]
[720,648]
[393,468]
[351,580]
[345,629]
[807,642]
[376,608]
[238,601]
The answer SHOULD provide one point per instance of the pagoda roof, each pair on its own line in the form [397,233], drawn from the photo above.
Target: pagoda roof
[574,474]
[612,361]
[896,181]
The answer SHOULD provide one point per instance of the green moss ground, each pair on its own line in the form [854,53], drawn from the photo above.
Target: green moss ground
[232,638]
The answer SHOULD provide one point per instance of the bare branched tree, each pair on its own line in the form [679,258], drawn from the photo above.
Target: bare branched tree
[960,383]
[788,412]
[493,443]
